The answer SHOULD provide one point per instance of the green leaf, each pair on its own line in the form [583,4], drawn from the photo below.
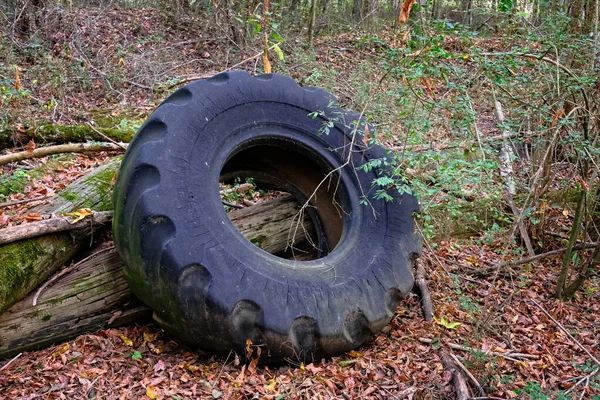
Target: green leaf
[447,324]
[136,355]
[276,36]
[279,52]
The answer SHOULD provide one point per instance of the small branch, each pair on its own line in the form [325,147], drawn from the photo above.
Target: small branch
[102,135]
[424,294]
[244,187]
[507,155]
[53,225]
[565,331]
[196,77]
[460,385]
[59,149]
[580,246]
[469,374]
[17,202]
[508,356]
[10,362]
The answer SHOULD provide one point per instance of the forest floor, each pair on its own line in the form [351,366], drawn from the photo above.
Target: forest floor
[500,321]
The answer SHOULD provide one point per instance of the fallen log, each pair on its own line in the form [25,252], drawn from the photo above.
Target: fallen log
[60,134]
[27,263]
[94,294]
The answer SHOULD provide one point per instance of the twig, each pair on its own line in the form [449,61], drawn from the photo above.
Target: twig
[70,268]
[231,204]
[425,296]
[10,362]
[469,374]
[580,246]
[17,202]
[566,332]
[583,379]
[509,356]
[121,145]
[196,77]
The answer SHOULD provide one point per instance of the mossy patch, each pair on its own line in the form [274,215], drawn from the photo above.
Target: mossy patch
[17,262]
[257,241]
[102,183]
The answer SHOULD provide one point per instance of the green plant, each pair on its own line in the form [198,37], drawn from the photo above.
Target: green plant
[12,183]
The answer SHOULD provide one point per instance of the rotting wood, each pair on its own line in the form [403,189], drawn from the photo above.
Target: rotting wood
[60,149]
[79,302]
[27,263]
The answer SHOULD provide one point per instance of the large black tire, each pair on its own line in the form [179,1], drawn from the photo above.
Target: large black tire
[211,287]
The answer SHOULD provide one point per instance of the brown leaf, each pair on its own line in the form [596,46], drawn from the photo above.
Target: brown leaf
[367,135]
[405,11]
[31,146]
[17,79]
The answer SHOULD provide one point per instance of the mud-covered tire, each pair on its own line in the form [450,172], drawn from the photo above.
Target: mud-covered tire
[207,284]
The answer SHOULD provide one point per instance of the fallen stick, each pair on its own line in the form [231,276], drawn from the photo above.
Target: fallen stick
[526,260]
[468,373]
[10,362]
[108,138]
[25,201]
[424,294]
[566,332]
[509,355]
[60,149]
[460,385]
[50,226]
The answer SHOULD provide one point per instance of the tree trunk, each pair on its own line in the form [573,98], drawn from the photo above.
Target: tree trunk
[95,294]
[311,21]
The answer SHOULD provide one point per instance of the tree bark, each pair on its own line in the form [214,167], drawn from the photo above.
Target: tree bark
[311,21]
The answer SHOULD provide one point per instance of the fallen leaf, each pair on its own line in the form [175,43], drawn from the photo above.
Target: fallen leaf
[447,324]
[151,392]
[79,214]
[126,340]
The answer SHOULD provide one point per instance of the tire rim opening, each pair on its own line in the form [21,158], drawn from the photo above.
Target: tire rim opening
[294,205]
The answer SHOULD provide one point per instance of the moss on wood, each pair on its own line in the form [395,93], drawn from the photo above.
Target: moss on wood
[17,265]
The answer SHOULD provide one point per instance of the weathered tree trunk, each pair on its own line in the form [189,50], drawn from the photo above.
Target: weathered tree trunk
[95,294]
[60,134]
